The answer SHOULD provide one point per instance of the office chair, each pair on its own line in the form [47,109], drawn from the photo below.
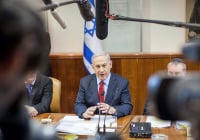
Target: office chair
[56,101]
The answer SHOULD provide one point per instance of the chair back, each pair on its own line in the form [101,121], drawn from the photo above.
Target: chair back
[56,97]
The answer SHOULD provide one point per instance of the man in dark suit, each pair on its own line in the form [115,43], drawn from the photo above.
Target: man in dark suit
[103,91]
[39,93]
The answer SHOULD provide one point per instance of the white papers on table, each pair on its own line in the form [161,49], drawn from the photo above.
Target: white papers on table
[111,121]
[156,122]
[182,124]
[75,125]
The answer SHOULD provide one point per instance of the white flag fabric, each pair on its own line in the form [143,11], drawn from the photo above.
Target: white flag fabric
[92,44]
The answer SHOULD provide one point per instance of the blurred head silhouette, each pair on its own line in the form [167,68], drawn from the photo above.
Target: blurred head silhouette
[21,48]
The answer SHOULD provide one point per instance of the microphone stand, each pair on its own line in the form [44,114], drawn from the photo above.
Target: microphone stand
[104,121]
[169,23]
[98,127]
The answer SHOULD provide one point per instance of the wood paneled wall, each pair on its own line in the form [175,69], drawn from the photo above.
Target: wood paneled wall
[137,68]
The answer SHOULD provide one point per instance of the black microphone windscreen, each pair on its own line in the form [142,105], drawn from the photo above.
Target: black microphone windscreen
[101,19]
[85,10]
[47,2]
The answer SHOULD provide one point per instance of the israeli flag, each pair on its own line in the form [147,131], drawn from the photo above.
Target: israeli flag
[92,44]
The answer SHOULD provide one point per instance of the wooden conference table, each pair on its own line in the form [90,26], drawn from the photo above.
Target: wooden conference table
[173,134]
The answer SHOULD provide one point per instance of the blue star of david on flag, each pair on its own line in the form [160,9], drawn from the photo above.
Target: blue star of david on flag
[92,44]
[90,29]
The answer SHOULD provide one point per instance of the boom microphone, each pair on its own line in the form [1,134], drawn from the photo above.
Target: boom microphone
[102,8]
[58,19]
[85,10]
[55,14]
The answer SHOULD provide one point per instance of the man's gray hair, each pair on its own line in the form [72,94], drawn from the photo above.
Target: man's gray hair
[176,61]
[102,53]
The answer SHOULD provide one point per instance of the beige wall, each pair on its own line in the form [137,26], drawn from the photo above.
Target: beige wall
[162,38]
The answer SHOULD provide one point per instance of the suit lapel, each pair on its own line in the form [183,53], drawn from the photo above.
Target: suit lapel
[94,88]
[111,89]
[35,89]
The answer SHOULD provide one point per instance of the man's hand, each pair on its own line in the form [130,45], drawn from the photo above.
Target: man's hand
[105,108]
[31,111]
[89,113]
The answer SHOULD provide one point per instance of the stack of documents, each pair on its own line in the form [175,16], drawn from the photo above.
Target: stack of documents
[156,122]
[75,125]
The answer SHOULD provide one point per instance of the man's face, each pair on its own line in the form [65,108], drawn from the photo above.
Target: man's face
[176,70]
[31,76]
[101,67]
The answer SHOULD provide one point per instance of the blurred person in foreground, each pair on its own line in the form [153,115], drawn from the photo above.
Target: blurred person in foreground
[103,91]
[39,93]
[21,50]
[176,67]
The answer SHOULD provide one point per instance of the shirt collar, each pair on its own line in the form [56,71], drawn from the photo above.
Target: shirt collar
[32,83]
[106,81]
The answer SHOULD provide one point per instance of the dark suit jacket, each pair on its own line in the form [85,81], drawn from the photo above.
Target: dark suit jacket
[41,94]
[117,94]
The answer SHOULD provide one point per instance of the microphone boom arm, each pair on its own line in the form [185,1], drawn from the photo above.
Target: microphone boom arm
[83,5]
[56,5]
[169,23]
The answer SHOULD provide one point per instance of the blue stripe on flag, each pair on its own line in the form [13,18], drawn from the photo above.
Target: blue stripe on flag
[88,53]
[92,2]
[91,44]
